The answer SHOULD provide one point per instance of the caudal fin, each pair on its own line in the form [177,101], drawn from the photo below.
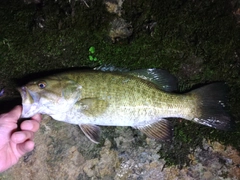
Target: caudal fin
[211,101]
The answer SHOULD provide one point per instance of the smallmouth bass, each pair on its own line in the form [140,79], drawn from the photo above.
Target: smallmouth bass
[142,99]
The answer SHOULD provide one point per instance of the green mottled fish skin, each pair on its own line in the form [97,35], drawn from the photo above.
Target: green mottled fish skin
[90,98]
[142,97]
[126,93]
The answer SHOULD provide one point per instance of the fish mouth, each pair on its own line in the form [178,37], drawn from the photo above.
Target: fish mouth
[26,97]
[27,103]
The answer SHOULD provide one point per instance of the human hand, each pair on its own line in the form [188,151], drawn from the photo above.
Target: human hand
[14,144]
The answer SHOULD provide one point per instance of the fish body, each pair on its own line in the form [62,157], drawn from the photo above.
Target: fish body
[142,99]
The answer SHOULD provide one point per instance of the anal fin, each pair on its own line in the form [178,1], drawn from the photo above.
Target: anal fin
[160,130]
[91,131]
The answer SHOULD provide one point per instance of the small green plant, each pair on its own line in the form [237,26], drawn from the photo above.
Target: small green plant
[91,55]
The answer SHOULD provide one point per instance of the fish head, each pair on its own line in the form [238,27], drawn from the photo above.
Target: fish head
[50,96]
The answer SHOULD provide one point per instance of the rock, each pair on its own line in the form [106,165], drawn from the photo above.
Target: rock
[120,29]
[114,6]
[64,152]
[192,66]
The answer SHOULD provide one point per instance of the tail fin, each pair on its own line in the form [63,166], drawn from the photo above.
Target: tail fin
[211,101]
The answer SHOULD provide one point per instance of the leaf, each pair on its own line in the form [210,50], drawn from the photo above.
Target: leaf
[92,49]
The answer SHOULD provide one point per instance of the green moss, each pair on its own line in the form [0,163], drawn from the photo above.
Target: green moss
[184,29]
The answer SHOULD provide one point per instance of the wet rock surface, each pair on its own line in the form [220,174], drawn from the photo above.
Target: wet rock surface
[63,152]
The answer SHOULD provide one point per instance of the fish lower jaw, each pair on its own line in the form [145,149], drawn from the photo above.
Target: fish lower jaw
[28,110]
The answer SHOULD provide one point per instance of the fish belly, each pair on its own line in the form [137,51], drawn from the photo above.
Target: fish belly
[121,116]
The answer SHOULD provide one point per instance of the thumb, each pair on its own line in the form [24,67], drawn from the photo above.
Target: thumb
[13,115]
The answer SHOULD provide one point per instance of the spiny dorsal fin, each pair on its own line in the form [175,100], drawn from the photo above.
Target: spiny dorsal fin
[160,130]
[91,131]
[162,78]
[110,68]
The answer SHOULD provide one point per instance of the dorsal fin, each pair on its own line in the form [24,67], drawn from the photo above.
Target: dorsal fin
[162,78]
[111,68]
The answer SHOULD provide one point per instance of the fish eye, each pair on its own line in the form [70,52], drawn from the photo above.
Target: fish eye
[42,85]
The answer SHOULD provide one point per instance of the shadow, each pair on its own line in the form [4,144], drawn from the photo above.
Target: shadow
[7,104]
[32,76]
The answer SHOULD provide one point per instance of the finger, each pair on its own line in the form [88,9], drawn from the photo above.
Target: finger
[13,115]
[21,136]
[25,147]
[30,125]
[37,117]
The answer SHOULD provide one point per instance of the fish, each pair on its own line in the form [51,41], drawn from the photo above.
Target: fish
[143,99]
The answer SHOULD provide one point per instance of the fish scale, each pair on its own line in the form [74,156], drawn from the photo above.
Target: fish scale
[142,99]
[126,92]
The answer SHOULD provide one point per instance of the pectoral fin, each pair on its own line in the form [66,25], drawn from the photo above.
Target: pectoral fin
[91,131]
[93,106]
[161,130]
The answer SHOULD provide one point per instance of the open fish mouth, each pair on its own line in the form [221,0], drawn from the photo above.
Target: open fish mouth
[28,105]
[22,91]
[24,94]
